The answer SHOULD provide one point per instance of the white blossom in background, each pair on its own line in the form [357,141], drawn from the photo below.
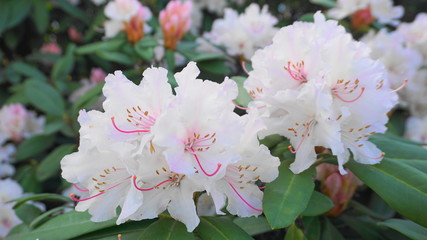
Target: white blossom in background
[17,123]
[318,87]
[8,219]
[400,61]
[99,2]
[415,34]
[416,129]
[7,152]
[382,11]
[243,34]
[150,151]
[128,16]
[416,98]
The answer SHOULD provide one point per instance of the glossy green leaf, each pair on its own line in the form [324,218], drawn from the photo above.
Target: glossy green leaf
[287,197]
[40,197]
[146,53]
[218,228]
[253,225]
[312,228]
[147,42]
[166,229]
[318,204]
[33,146]
[403,187]
[129,231]
[73,10]
[116,57]
[202,56]
[216,66]
[40,15]
[395,147]
[324,3]
[329,231]
[50,165]
[109,45]
[12,12]
[294,233]
[42,218]
[364,226]
[243,98]
[28,212]
[170,59]
[65,226]
[408,228]
[44,97]
[27,70]
[64,65]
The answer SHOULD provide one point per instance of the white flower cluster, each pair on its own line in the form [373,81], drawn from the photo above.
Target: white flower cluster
[243,34]
[151,150]
[9,190]
[381,10]
[318,87]
[16,124]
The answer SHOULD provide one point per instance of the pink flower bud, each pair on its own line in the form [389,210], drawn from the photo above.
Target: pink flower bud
[175,22]
[74,35]
[339,188]
[52,48]
[97,75]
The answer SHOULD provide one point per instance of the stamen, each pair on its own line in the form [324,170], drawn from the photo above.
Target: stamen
[122,131]
[364,154]
[350,101]
[148,189]
[401,86]
[80,189]
[238,194]
[244,108]
[96,195]
[244,67]
[298,73]
[203,170]
[262,187]
[306,134]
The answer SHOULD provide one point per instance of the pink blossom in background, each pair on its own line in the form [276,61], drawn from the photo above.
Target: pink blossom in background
[175,22]
[74,34]
[52,48]
[339,188]
[97,75]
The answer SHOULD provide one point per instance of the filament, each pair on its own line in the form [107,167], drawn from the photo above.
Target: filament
[364,154]
[122,131]
[302,140]
[238,194]
[148,189]
[203,170]
[244,108]
[80,189]
[350,101]
[401,86]
[244,67]
[85,199]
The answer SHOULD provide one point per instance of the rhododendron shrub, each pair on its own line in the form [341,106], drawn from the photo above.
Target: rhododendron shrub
[196,119]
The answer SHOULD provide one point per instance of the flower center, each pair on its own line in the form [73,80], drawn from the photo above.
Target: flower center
[296,71]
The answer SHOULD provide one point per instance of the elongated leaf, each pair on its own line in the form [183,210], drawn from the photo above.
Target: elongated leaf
[93,93]
[73,10]
[45,216]
[202,56]
[403,187]
[116,57]
[287,196]
[50,166]
[129,231]
[39,197]
[147,42]
[408,228]
[65,226]
[13,12]
[110,45]
[330,232]
[27,212]
[318,204]
[324,3]
[166,229]
[64,66]
[215,66]
[364,226]
[395,147]
[40,15]
[28,70]
[44,97]
[253,225]
[217,228]
[294,233]
[312,227]
[33,146]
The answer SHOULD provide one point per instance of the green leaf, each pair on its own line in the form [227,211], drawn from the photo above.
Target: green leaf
[12,12]
[218,67]
[166,229]
[73,11]
[33,146]
[28,71]
[204,56]
[287,196]
[50,166]
[243,98]
[408,228]
[45,216]
[217,228]
[28,212]
[170,59]
[403,187]
[294,233]
[146,53]
[88,97]
[329,231]
[44,97]
[109,45]
[308,17]
[253,225]
[40,15]
[318,204]
[40,197]
[364,226]
[324,3]
[395,147]
[64,65]
[129,231]
[116,57]
[312,227]
[64,226]
[147,42]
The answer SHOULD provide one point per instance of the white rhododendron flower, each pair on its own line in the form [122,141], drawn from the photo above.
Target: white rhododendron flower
[416,129]
[319,87]
[150,151]
[128,16]
[6,156]
[400,61]
[381,10]
[8,219]
[17,123]
[9,190]
[415,34]
[243,34]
